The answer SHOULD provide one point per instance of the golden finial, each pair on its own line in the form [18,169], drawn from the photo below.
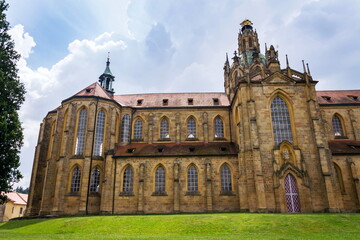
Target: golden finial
[246,22]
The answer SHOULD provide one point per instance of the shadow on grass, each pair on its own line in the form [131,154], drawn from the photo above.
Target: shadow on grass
[20,223]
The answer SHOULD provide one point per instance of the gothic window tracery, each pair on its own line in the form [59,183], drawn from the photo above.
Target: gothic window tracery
[160,179]
[164,128]
[192,179]
[225,175]
[75,180]
[219,128]
[337,126]
[128,179]
[95,180]
[125,128]
[99,134]
[281,121]
[81,131]
[191,124]
[138,129]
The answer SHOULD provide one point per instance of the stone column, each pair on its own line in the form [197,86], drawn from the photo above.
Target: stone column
[176,186]
[108,185]
[332,187]
[209,203]
[258,173]
[205,127]
[243,195]
[353,125]
[177,124]
[151,126]
[141,188]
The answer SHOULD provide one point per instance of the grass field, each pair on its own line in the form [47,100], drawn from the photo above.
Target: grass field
[188,226]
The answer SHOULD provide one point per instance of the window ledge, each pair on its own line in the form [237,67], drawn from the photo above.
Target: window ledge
[191,139]
[73,194]
[192,193]
[137,140]
[164,139]
[219,139]
[97,157]
[341,137]
[78,157]
[159,194]
[227,193]
[126,194]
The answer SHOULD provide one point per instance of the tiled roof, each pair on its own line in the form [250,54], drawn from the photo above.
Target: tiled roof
[17,198]
[94,90]
[176,149]
[344,146]
[173,100]
[338,97]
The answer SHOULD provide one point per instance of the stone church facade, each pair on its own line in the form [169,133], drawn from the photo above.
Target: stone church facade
[269,143]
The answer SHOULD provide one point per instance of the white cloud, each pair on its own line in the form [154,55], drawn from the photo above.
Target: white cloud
[23,41]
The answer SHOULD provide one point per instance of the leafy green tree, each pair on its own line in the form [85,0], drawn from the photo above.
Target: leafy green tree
[22,190]
[12,93]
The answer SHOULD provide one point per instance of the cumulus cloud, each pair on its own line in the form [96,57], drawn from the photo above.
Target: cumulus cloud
[23,41]
[170,46]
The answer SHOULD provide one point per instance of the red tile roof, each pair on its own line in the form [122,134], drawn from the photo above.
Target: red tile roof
[94,90]
[338,97]
[17,198]
[344,146]
[176,149]
[173,99]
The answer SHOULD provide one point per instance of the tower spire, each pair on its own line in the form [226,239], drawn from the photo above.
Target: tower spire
[304,66]
[107,78]
[287,61]
[307,66]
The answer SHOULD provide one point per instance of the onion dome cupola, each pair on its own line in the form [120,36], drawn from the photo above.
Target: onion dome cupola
[248,44]
[107,78]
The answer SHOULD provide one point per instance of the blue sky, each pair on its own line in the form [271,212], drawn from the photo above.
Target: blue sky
[169,46]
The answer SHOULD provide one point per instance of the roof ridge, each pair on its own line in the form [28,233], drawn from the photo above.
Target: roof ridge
[170,93]
[21,197]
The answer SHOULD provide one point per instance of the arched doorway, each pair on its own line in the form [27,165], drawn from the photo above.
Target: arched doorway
[292,194]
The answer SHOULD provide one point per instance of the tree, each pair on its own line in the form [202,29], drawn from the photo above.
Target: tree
[12,93]
[22,190]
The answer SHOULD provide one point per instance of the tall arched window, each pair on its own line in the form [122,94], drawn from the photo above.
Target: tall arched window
[81,131]
[160,179]
[337,126]
[192,179]
[125,128]
[164,128]
[99,134]
[281,121]
[138,129]
[128,180]
[75,180]
[219,128]
[95,180]
[339,178]
[191,124]
[225,175]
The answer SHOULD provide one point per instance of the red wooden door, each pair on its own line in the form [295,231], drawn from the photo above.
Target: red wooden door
[292,194]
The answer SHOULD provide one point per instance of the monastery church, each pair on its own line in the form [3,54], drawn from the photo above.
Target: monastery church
[269,143]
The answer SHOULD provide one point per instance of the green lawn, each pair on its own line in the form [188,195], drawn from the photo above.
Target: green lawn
[188,226]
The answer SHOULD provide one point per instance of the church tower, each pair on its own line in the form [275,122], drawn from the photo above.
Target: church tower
[107,78]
